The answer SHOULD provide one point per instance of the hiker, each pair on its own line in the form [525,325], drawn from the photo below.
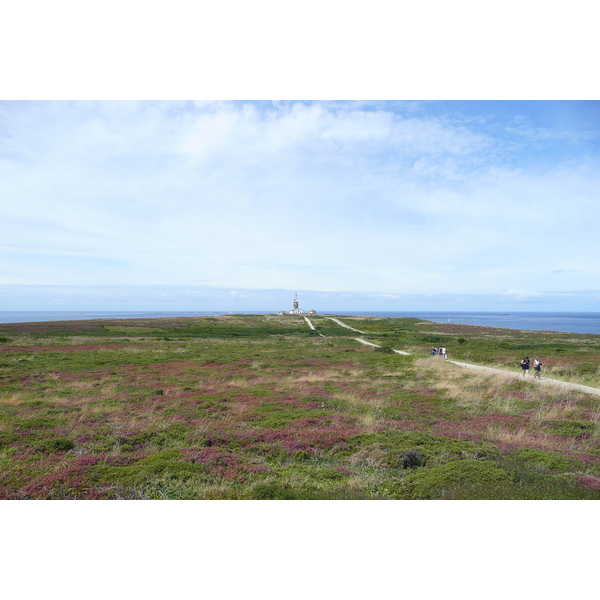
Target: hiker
[433,351]
[537,367]
[443,353]
[525,365]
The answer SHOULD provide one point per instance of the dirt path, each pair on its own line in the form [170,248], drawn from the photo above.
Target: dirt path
[377,346]
[346,326]
[543,381]
[312,326]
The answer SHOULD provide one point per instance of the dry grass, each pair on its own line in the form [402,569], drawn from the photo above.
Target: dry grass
[108,391]
[481,392]
[18,398]
[354,399]
[328,375]
[554,412]
[240,382]
[83,386]
[369,456]
[524,438]
[94,408]
[363,408]
[369,423]
[353,373]
[507,406]
[240,409]
[14,400]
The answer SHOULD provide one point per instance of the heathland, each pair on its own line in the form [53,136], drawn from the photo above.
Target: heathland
[264,407]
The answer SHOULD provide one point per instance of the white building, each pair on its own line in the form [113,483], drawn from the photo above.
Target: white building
[297,310]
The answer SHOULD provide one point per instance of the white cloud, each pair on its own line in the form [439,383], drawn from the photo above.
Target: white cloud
[521,294]
[322,196]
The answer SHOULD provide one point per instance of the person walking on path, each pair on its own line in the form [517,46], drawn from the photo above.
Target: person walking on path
[443,353]
[537,367]
[525,365]
[433,351]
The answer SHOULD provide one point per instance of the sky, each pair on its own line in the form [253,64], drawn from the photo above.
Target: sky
[419,201]
[404,205]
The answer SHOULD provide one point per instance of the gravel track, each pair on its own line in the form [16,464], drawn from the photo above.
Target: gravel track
[543,381]
[346,326]
[312,326]
[377,346]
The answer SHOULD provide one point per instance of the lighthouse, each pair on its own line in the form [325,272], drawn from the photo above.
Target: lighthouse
[297,310]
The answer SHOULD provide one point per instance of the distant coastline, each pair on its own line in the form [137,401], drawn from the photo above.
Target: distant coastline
[570,322]
[34,316]
[567,322]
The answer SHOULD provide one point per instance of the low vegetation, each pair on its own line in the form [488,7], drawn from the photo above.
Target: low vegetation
[263,407]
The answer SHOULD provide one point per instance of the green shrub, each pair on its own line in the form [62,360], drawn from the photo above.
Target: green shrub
[545,459]
[7,438]
[435,339]
[36,404]
[385,350]
[570,428]
[413,459]
[167,465]
[175,435]
[369,456]
[462,478]
[273,491]
[277,416]
[59,444]
[39,423]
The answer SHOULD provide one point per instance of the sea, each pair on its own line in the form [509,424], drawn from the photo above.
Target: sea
[569,322]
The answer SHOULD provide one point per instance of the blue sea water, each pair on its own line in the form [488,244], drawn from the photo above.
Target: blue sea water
[571,322]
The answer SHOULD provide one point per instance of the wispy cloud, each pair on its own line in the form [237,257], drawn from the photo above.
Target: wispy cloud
[397,198]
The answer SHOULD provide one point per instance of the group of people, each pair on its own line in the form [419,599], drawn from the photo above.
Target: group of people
[525,363]
[441,351]
[537,367]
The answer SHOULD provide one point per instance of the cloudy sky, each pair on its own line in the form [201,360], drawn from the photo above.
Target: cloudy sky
[432,205]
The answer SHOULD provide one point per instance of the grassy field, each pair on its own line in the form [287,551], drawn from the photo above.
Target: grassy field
[262,407]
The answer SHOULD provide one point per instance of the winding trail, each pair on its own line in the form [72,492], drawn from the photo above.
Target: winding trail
[346,326]
[542,381]
[312,326]
[378,346]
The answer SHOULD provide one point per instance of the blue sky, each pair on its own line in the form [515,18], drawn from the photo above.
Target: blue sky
[409,205]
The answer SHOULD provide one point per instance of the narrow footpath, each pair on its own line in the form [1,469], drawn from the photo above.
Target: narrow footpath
[377,346]
[346,326]
[312,326]
[542,381]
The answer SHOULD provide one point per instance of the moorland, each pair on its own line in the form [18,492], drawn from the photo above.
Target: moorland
[264,407]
